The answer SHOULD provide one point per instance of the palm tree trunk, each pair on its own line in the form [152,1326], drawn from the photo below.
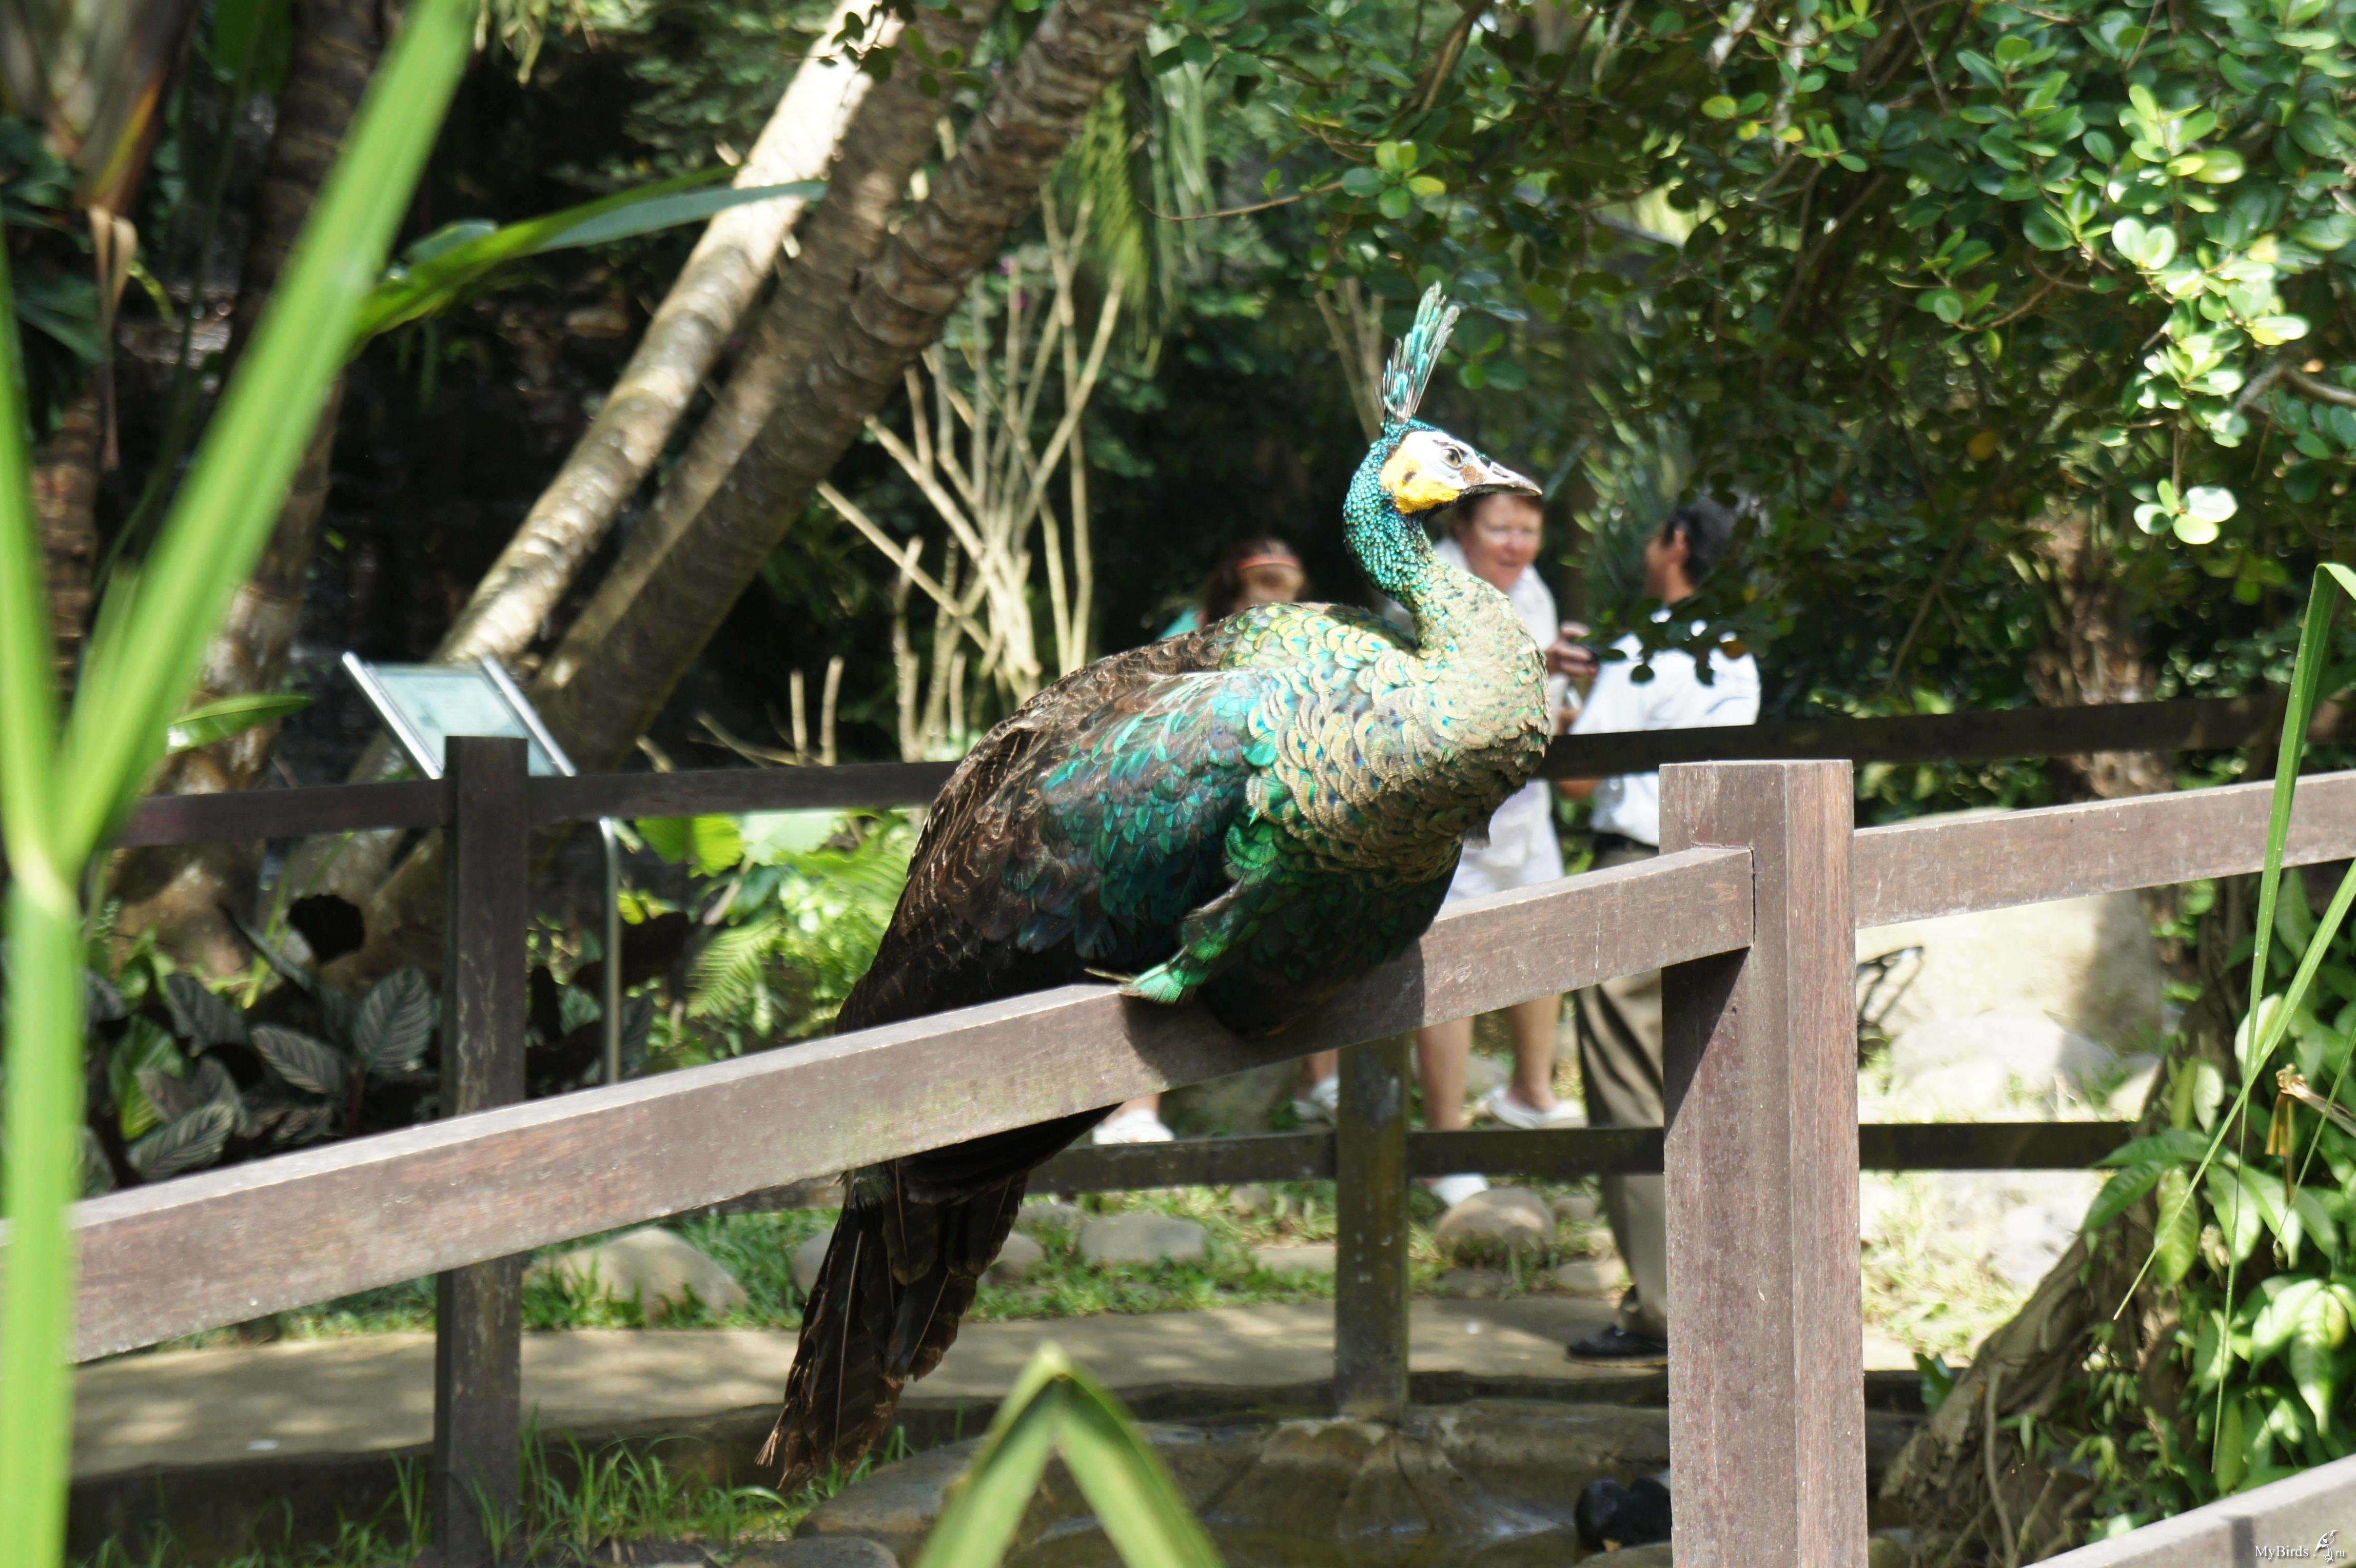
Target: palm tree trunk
[65,502]
[182,891]
[885,148]
[825,107]
[639,635]
[638,638]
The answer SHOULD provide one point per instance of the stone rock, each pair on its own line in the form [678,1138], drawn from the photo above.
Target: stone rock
[1240,1102]
[807,1258]
[1251,1198]
[1577,1207]
[1043,1215]
[2019,1222]
[1603,1274]
[1989,1062]
[1143,1236]
[1501,1219]
[1297,1258]
[2091,964]
[659,1267]
[821,1551]
[1656,1555]
[1016,1259]
[1473,1285]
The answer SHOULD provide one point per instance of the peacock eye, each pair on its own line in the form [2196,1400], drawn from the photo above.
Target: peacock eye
[1456,456]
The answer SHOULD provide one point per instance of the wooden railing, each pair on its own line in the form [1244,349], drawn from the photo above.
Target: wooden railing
[1750,910]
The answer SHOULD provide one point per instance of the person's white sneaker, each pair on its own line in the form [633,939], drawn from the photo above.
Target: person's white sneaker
[1321,1104]
[1453,1190]
[1500,1104]
[1139,1126]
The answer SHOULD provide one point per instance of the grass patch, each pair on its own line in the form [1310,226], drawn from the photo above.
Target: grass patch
[577,1503]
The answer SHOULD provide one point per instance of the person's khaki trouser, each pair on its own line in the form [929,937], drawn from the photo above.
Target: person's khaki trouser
[1620,1060]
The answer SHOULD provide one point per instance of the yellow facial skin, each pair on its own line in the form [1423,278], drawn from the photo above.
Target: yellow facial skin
[1412,488]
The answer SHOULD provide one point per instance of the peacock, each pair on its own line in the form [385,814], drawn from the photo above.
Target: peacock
[1250,815]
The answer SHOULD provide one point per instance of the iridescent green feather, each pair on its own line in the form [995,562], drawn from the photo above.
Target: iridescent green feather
[1414,356]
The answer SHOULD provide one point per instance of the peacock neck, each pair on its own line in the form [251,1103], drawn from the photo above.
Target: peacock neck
[1397,557]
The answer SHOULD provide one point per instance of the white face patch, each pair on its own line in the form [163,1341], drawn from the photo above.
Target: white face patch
[1426,470]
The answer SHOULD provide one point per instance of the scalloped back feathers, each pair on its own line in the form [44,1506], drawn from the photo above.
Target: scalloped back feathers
[1414,356]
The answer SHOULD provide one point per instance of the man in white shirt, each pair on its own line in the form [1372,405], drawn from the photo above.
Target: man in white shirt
[1620,1021]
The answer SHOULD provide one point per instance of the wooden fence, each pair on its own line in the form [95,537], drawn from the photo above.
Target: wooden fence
[1751,909]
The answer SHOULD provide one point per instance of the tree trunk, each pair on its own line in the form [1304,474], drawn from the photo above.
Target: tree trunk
[182,891]
[2092,653]
[885,149]
[605,685]
[723,275]
[65,502]
[610,679]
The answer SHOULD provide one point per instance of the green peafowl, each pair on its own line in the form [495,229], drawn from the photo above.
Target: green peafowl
[1250,814]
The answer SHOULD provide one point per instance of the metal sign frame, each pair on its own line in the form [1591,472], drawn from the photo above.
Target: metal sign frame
[415,742]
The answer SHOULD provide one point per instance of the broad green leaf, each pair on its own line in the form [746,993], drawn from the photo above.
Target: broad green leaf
[201,1017]
[769,837]
[2315,1343]
[2236,1211]
[443,265]
[310,1065]
[2176,1240]
[2280,1317]
[394,1022]
[144,1048]
[190,1144]
[230,715]
[2120,1193]
[710,844]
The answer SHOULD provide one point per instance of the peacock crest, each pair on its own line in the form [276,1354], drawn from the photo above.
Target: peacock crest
[1414,356]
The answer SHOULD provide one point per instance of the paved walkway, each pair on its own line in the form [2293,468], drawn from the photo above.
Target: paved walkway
[375,1393]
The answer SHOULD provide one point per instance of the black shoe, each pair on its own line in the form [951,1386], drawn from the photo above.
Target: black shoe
[1615,1347]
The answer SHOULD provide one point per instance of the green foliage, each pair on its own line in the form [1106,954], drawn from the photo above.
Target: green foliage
[184,1077]
[801,902]
[63,785]
[1055,1407]
[2251,1198]
[460,258]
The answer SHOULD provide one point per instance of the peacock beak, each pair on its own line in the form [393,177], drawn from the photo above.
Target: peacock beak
[1484,476]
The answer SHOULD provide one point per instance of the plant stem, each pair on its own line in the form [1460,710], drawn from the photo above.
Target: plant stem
[43,1116]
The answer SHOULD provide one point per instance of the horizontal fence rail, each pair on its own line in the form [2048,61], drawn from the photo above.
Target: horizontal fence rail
[2308,1517]
[164,1259]
[223,1246]
[1955,865]
[2203,724]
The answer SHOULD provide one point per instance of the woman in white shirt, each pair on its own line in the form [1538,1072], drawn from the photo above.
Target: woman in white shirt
[1496,538]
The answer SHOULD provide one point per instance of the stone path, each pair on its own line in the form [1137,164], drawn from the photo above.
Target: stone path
[375,1392]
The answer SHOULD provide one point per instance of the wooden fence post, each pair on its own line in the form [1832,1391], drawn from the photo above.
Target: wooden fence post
[478,1310]
[1766,1317]
[1370,1233]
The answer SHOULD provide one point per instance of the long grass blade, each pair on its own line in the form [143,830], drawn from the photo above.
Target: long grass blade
[28,700]
[1135,1500]
[226,509]
[988,1503]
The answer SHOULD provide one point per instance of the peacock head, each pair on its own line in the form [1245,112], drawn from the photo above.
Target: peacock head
[1420,466]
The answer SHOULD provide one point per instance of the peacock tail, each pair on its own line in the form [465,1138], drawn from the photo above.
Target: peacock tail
[1252,815]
